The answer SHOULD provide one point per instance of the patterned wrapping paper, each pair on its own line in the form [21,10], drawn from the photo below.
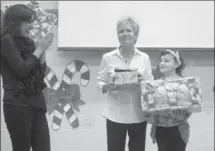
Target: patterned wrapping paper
[168,95]
[125,76]
[43,22]
[119,76]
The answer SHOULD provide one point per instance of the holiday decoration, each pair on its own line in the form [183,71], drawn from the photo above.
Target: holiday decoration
[64,97]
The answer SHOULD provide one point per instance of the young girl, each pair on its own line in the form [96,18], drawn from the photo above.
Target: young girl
[171,129]
[23,70]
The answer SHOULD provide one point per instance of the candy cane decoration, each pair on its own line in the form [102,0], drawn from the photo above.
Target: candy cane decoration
[61,108]
[71,116]
[72,68]
[52,82]
[64,107]
[51,79]
[58,117]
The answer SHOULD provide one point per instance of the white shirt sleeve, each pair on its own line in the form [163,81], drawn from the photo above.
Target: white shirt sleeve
[102,74]
[146,72]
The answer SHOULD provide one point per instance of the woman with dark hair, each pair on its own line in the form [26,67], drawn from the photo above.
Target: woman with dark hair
[22,69]
[170,129]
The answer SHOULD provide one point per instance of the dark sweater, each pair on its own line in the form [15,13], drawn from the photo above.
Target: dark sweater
[22,73]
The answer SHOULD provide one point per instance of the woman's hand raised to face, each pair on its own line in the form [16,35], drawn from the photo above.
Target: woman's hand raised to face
[44,43]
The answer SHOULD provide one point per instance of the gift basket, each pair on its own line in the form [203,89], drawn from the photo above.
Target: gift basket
[169,95]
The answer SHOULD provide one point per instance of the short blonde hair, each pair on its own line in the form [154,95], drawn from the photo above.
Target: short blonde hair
[132,21]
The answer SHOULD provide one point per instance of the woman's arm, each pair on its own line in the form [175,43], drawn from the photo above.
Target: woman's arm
[102,76]
[148,70]
[16,62]
[43,64]
[146,73]
[43,58]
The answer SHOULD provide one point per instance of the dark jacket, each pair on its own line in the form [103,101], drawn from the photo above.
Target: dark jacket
[21,72]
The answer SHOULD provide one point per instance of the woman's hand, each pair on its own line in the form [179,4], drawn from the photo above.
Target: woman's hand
[141,75]
[43,58]
[44,43]
[108,87]
[131,86]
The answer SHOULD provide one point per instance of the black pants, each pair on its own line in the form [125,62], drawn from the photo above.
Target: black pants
[27,127]
[116,136]
[169,139]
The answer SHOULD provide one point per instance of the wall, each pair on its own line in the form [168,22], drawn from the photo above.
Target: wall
[162,23]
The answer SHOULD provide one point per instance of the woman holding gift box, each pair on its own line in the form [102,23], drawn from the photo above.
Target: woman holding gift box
[23,70]
[170,128]
[123,103]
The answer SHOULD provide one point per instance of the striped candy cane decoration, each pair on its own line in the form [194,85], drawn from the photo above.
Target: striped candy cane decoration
[71,116]
[52,82]
[51,79]
[69,112]
[70,70]
[64,107]
[58,117]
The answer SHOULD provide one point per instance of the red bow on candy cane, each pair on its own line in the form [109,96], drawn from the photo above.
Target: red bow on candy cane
[62,98]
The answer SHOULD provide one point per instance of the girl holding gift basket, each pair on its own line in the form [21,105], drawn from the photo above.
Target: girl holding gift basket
[170,100]
[23,69]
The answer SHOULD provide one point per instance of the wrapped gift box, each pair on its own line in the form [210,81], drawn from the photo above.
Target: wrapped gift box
[167,95]
[125,76]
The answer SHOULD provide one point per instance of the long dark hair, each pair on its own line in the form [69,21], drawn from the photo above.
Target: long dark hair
[14,16]
[179,70]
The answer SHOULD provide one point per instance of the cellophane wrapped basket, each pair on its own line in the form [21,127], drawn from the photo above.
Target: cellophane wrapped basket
[167,95]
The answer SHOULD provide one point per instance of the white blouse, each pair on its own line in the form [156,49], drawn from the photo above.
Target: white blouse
[124,106]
